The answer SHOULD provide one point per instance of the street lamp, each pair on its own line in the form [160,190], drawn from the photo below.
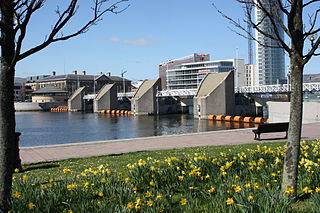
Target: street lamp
[123,82]
[289,81]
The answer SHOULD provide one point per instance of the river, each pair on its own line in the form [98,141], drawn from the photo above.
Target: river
[47,128]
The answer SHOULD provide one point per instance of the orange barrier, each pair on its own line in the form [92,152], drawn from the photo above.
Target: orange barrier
[117,112]
[259,120]
[229,118]
[113,112]
[103,112]
[211,117]
[220,117]
[129,112]
[122,112]
[238,118]
[108,111]
[248,119]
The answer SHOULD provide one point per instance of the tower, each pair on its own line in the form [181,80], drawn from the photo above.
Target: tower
[270,61]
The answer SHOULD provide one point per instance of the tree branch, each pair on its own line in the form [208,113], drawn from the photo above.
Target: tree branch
[66,16]
[310,2]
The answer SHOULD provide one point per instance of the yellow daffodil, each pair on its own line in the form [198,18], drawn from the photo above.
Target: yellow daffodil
[100,194]
[230,201]
[103,180]
[213,189]
[152,183]
[17,195]
[250,197]
[183,202]
[130,205]
[150,203]
[31,205]
[71,186]
[66,170]
[148,194]
[159,197]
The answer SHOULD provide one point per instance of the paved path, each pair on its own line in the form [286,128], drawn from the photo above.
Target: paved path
[226,137]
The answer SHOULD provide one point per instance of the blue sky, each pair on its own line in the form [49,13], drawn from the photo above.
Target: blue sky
[147,33]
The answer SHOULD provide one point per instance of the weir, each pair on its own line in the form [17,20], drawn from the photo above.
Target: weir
[106,99]
[144,101]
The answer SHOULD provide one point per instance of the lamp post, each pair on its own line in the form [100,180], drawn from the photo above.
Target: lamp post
[289,86]
[123,82]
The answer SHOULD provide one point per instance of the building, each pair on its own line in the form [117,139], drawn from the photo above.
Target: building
[189,75]
[311,78]
[163,67]
[250,75]
[21,91]
[50,94]
[71,82]
[270,61]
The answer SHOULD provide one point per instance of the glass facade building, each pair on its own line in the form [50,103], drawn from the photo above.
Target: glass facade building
[270,61]
[189,75]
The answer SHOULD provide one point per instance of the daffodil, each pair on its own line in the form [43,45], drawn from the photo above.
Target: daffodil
[230,201]
[31,205]
[183,202]
[250,197]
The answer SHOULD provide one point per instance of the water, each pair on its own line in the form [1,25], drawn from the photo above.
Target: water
[47,128]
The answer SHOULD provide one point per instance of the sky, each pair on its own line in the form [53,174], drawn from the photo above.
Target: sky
[137,40]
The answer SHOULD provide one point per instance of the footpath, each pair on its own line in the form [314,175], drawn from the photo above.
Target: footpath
[39,154]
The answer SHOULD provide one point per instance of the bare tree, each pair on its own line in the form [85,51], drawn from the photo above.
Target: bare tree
[287,16]
[15,16]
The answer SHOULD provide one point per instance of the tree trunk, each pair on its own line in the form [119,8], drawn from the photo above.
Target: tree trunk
[7,116]
[291,161]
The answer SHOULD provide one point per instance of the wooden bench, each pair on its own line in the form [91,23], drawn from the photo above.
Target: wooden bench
[270,127]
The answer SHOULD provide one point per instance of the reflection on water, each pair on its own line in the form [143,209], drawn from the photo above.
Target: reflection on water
[46,128]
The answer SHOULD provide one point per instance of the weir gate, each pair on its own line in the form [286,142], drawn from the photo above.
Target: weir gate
[214,96]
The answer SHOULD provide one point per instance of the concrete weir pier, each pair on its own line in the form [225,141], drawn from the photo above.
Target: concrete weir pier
[144,100]
[215,95]
[75,102]
[106,98]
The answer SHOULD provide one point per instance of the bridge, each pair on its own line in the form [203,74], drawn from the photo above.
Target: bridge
[277,88]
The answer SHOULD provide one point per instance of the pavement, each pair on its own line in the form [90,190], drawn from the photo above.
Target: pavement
[30,155]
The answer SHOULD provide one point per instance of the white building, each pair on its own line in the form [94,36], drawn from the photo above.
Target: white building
[270,61]
[189,75]
[250,75]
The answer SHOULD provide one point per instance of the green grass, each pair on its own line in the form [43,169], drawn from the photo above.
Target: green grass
[239,178]
[119,162]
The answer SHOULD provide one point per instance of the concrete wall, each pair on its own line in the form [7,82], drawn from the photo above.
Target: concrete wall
[76,102]
[45,99]
[144,102]
[106,98]
[280,111]
[220,101]
[29,106]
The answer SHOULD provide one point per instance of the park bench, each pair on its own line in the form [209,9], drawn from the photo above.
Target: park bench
[270,127]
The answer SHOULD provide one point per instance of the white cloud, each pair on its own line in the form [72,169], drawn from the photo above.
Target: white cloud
[137,42]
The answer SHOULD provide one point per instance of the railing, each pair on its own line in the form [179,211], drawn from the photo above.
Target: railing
[278,88]
[177,92]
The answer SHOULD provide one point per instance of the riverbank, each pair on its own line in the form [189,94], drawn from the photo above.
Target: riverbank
[38,154]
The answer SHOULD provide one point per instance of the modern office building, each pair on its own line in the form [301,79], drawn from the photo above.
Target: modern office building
[189,75]
[163,67]
[270,61]
[250,75]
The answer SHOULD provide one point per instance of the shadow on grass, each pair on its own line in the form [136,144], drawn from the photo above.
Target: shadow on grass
[35,167]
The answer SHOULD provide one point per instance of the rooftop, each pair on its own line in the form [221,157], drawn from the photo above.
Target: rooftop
[49,89]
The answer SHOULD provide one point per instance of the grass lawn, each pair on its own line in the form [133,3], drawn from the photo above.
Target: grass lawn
[120,161]
[238,178]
